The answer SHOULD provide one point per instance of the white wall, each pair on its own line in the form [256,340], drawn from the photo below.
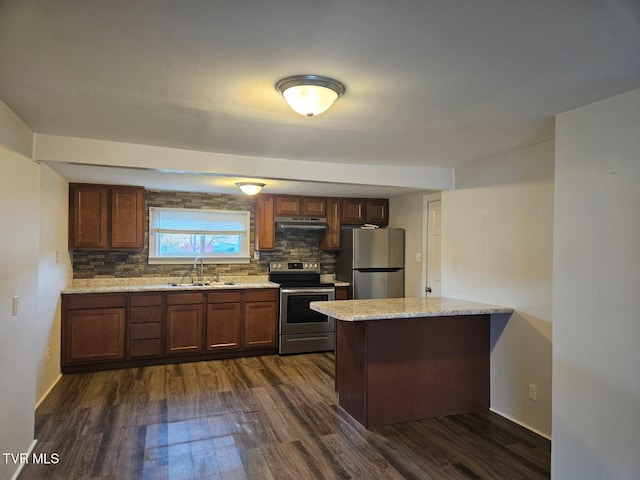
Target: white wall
[497,240]
[19,227]
[406,212]
[55,273]
[596,293]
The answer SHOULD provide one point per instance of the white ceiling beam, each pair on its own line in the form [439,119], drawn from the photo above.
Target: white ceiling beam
[53,148]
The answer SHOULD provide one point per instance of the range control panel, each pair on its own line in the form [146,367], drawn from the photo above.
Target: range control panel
[291,267]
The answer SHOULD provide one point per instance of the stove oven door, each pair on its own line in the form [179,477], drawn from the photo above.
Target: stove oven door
[295,315]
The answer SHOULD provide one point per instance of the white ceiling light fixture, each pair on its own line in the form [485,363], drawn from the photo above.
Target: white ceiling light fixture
[310,95]
[250,188]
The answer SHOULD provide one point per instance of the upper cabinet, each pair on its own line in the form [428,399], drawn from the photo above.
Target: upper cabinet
[357,211]
[305,206]
[338,211]
[265,229]
[105,217]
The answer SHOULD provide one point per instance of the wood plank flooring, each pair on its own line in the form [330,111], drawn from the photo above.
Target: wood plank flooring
[264,417]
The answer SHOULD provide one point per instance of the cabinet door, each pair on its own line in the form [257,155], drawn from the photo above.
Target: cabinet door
[94,335]
[377,211]
[88,217]
[342,293]
[331,240]
[224,326]
[265,223]
[260,320]
[127,218]
[352,211]
[286,205]
[184,329]
[314,206]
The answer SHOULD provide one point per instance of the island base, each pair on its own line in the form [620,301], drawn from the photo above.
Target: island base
[393,371]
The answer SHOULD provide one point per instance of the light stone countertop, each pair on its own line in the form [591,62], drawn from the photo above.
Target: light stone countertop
[156,284]
[392,308]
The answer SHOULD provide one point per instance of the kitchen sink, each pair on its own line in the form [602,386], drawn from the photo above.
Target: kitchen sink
[200,284]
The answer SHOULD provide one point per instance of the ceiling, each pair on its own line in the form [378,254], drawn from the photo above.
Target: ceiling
[432,83]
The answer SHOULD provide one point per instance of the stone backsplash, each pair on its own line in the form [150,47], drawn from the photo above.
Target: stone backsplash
[303,245]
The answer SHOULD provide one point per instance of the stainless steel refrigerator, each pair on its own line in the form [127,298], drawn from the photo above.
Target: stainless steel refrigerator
[372,261]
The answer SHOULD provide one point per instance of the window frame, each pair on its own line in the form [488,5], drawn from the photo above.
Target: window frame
[244,256]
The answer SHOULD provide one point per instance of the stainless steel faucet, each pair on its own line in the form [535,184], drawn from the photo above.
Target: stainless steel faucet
[201,272]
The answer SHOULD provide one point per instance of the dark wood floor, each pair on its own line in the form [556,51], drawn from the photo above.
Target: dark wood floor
[259,418]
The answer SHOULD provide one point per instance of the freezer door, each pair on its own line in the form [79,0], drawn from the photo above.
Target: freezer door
[378,284]
[376,248]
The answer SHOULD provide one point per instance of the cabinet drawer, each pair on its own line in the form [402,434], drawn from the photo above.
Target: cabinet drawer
[145,348]
[225,297]
[145,300]
[144,331]
[82,301]
[261,294]
[145,314]
[184,298]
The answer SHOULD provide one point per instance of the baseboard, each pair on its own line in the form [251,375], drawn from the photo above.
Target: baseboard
[17,472]
[522,424]
[48,391]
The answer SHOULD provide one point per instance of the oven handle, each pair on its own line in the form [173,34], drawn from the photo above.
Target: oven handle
[308,290]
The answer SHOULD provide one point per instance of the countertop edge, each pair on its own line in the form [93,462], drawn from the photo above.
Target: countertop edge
[166,288]
[474,308]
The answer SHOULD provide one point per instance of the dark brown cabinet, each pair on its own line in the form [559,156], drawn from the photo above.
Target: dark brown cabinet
[331,239]
[356,211]
[343,293]
[242,320]
[108,330]
[184,323]
[93,329]
[338,211]
[377,211]
[352,211]
[260,318]
[306,206]
[224,321]
[104,217]
[145,325]
[265,229]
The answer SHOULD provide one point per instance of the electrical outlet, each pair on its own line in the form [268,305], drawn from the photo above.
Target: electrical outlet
[418,257]
[533,391]
[14,306]
[48,355]
[57,256]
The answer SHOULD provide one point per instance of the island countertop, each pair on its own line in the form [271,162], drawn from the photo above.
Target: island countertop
[390,308]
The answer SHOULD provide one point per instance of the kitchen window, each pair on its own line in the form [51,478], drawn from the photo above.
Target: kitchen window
[177,235]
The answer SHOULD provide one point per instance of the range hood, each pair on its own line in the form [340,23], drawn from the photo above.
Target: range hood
[303,223]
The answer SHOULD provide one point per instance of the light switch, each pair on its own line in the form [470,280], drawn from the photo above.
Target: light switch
[14,306]
[418,258]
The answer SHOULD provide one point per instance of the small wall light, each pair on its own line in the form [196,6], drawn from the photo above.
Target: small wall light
[310,95]
[250,188]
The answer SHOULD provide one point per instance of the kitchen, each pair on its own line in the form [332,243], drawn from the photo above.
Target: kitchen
[513,235]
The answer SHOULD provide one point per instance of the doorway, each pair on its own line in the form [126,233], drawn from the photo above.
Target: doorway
[433,226]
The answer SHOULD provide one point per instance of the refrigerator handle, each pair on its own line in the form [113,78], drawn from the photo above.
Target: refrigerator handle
[395,269]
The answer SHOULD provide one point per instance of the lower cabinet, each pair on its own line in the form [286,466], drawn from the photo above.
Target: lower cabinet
[260,319]
[145,325]
[93,329]
[224,321]
[242,320]
[106,330]
[184,323]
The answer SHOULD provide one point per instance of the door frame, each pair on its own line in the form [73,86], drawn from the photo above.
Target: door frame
[426,199]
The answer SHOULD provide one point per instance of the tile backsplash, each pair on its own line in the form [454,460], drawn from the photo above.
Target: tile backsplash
[303,245]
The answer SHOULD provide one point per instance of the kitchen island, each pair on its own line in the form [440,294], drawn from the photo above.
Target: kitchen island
[404,359]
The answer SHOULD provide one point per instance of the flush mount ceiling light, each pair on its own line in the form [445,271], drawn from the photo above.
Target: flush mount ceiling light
[309,95]
[250,188]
